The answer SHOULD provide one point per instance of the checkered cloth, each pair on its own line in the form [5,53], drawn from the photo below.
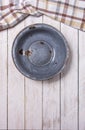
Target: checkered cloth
[70,12]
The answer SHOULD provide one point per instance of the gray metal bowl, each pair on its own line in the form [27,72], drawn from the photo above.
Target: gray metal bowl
[40,51]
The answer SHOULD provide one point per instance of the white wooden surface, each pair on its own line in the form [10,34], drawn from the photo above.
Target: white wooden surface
[55,104]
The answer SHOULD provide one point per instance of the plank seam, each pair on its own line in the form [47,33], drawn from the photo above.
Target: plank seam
[42,105]
[24,105]
[24,100]
[7,79]
[78,80]
[42,88]
[60,90]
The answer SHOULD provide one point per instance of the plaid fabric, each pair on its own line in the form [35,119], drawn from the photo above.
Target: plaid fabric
[70,12]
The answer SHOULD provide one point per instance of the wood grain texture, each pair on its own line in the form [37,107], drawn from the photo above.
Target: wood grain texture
[55,104]
[69,82]
[51,95]
[3,80]
[33,95]
[81,80]
[15,86]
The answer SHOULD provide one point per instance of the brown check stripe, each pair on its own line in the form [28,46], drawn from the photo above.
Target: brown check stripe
[70,12]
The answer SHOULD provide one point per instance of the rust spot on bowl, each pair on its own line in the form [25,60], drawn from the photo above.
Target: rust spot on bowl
[50,51]
[28,53]
[55,62]
[32,27]
[21,51]
[42,43]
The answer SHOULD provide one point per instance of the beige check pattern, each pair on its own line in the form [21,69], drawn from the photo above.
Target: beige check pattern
[70,12]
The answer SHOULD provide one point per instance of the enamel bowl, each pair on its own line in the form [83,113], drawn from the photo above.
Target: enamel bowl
[40,52]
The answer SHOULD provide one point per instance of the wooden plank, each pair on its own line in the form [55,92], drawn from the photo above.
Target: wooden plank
[51,95]
[33,95]
[15,86]
[3,80]
[81,80]
[69,82]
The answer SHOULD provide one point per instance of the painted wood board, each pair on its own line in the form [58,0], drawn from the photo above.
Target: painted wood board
[81,80]
[51,94]
[69,82]
[15,86]
[33,94]
[3,80]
